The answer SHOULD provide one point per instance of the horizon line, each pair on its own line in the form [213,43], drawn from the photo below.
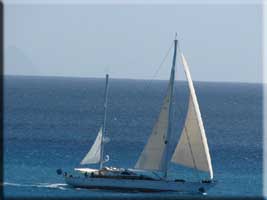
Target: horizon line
[118,78]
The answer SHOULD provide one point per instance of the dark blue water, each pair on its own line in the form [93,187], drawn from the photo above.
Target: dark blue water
[50,123]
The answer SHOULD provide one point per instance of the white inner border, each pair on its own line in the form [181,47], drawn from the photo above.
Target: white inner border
[162,2]
[136,2]
[264,63]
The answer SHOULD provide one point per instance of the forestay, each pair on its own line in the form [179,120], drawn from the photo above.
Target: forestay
[192,149]
[94,155]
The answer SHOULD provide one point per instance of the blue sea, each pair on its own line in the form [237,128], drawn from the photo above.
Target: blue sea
[51,123]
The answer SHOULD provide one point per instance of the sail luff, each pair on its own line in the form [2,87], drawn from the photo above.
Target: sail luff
[194,107]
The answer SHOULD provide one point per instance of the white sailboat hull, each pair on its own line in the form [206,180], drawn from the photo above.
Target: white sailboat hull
[140,185]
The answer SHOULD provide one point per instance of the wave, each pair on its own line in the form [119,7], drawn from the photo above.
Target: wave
[61,186]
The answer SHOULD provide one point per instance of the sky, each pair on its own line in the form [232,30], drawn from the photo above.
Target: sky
[222,42]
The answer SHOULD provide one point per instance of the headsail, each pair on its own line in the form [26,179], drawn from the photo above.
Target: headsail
[192,149]
[155,154]
[94,155]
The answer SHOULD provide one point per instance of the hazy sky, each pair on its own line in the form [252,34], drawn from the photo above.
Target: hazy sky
[222,42]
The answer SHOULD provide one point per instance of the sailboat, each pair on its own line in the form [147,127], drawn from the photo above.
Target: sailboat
[191,151]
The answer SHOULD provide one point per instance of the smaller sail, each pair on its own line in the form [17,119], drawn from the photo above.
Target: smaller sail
[94,155]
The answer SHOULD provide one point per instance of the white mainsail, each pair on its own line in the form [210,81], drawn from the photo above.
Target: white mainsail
[155,155]
[94,155]
[152,157]
[192,149]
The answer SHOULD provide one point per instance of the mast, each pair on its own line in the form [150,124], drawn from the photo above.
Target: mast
[104,124]
[167,148]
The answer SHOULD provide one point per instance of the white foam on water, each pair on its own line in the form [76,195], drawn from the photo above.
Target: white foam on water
[61,186]
[11,184]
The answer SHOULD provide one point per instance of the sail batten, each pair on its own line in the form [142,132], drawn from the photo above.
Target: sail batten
[192,149]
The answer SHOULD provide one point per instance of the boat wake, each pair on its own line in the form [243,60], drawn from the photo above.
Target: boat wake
[60,186]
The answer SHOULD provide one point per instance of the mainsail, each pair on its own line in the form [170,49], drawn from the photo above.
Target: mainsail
[152,157]
[192,149]
[155,154]
[94,154]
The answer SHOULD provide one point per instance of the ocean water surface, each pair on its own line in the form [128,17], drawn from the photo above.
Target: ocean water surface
[51,122]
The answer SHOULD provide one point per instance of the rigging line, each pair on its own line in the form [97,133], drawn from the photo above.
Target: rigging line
[148,83]
[158,68]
